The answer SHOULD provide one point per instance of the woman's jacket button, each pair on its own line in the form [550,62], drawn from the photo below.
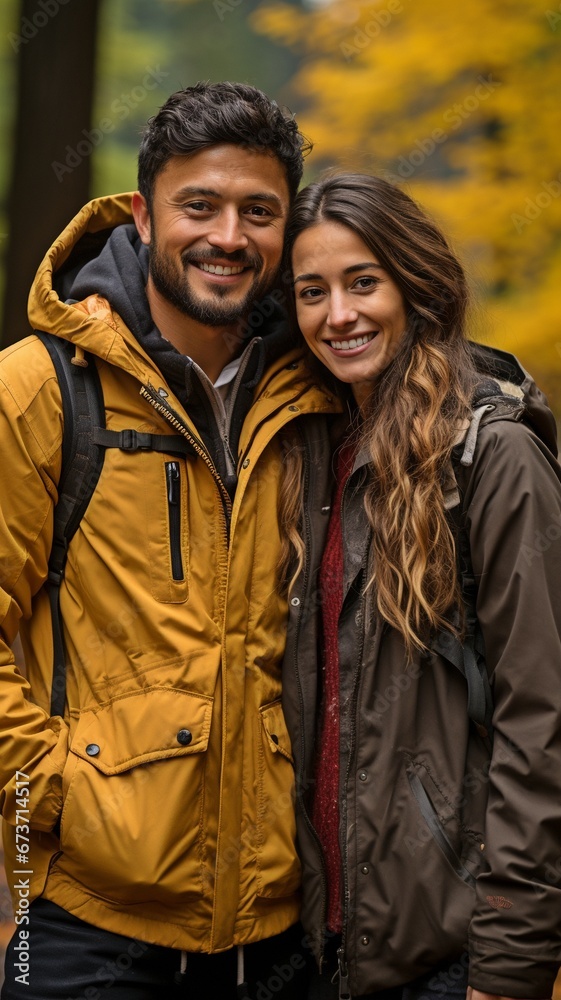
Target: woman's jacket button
[363,775]
[365,940]
[294,409]
[295,601]
[184,737]
[92,749]
[365,869]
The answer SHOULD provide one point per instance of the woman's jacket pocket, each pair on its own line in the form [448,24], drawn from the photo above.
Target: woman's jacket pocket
[133,787]
[441,821]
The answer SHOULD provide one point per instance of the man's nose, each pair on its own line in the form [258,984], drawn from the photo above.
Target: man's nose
[227,232]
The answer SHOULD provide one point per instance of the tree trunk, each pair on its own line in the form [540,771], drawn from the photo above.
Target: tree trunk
[56,43]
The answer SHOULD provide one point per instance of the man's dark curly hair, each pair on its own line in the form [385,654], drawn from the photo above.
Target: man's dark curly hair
[212,113]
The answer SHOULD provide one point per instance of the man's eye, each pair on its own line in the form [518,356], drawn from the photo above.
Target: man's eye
[198,206]
[259,211]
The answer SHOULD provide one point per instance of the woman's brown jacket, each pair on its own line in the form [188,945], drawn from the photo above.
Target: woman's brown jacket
[447,853]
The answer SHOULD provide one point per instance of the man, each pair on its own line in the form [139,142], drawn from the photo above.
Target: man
[149,827]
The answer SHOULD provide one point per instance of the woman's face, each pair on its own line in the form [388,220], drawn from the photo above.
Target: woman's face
[350,311]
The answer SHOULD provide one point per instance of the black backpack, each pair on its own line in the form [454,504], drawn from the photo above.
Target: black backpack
[85,439]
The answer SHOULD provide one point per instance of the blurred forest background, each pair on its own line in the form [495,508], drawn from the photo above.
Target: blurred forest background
[460,103]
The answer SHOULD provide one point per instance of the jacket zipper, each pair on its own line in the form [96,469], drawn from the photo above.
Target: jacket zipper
[300,776]
[173,481]
[343,972]
[151,395]
[344,993]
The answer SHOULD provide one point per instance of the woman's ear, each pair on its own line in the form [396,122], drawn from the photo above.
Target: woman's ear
[141,216]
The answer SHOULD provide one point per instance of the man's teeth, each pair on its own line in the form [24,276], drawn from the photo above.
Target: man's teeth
[218,269]
[347,345]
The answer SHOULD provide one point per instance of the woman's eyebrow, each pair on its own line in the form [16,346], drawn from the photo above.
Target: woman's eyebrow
[362,267]
[348,270]
[308,277]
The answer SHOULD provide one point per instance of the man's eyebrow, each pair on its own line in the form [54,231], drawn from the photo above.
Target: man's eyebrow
[207,192]
[191,192]
[348,270]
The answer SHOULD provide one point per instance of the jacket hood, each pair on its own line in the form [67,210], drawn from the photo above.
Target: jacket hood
[82,240]
[514,383]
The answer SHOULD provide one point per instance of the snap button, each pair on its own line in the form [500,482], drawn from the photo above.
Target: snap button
[245,463]
[365,940]
[275,738]
[295,601]
[363,776]
[365,869]
[294,409]
[92,749]
[184,737]
[325,510]
[292,367]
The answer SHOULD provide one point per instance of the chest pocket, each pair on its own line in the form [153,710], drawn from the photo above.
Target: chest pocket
[167,534]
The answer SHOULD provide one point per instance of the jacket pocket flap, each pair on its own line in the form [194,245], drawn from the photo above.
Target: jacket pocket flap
[145,726]
[272,717]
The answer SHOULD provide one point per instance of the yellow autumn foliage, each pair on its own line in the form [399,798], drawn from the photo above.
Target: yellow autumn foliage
[461,104]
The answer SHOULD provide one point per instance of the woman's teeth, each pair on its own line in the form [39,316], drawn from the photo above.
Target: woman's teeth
[218,269]
[347,345]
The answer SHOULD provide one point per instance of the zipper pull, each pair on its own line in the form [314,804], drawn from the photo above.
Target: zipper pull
[344,993]
[172,472]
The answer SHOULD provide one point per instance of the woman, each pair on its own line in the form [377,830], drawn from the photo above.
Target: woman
[430,843]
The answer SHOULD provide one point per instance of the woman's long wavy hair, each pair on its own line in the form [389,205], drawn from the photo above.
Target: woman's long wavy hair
[416,408]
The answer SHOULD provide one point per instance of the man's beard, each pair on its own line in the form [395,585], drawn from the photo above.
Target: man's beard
[209,311]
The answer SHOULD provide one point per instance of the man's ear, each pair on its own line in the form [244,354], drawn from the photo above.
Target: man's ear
[141,217]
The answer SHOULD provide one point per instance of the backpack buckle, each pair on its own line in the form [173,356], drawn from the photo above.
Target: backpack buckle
[132,440]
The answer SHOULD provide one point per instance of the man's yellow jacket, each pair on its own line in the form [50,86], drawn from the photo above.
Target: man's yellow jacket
[184,841]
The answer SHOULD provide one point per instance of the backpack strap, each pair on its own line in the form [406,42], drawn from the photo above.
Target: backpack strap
[468,653]
[131,440]
[84,442]
[82,461]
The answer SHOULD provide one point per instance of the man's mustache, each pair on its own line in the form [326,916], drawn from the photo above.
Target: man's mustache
[237,257]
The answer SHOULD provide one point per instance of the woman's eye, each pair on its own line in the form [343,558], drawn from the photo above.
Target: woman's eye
[366,283]
[311,293]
